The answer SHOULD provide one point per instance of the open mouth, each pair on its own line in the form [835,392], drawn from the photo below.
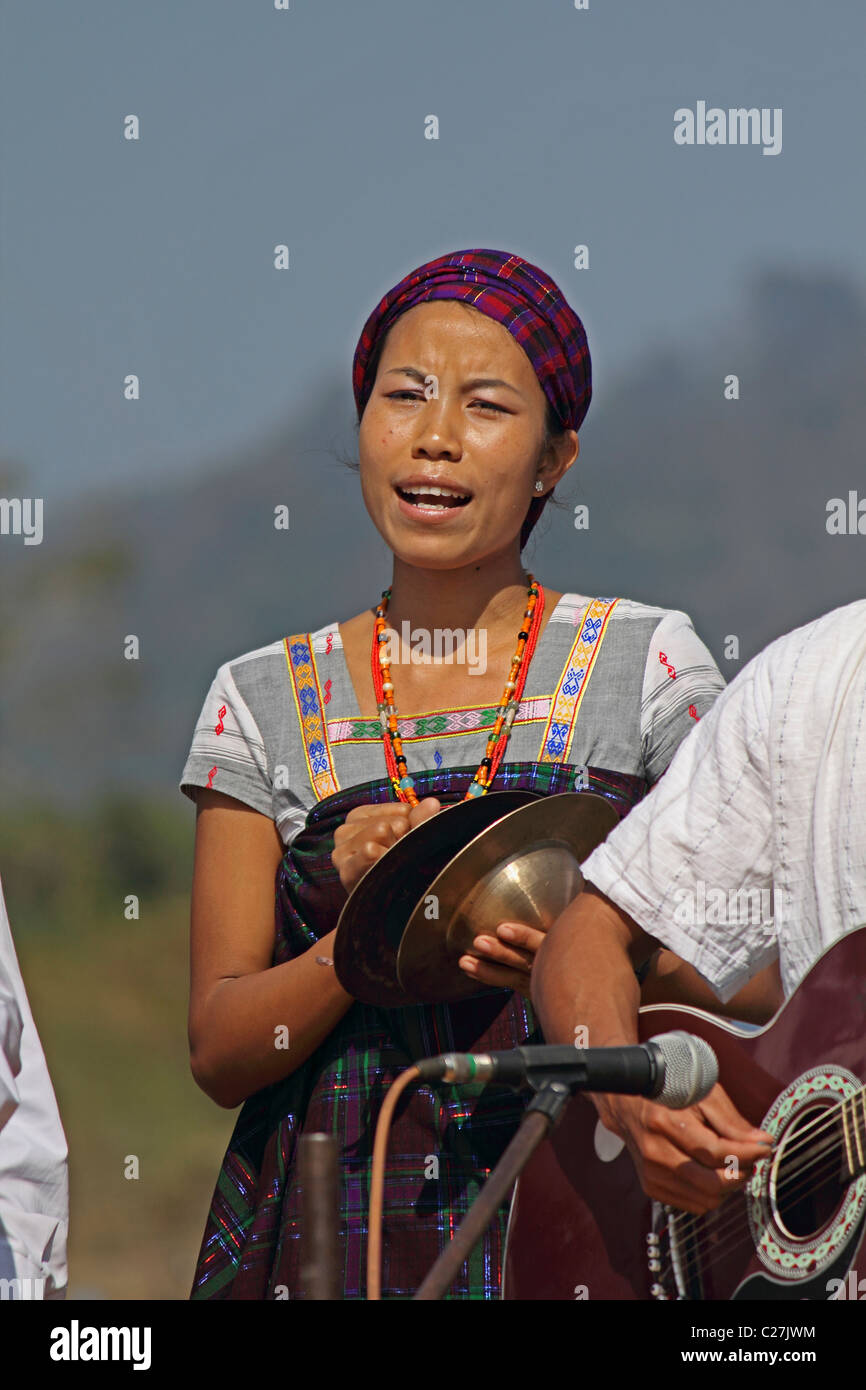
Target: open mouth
[433,499]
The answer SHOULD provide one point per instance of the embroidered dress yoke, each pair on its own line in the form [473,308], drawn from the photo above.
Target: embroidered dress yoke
[613,688]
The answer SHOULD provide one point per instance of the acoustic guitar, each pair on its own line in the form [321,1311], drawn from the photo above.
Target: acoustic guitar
[581,1226]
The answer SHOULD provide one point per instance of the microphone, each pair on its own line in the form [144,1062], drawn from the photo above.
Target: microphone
[675,1069]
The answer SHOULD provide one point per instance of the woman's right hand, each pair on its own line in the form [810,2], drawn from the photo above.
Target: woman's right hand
[368,831]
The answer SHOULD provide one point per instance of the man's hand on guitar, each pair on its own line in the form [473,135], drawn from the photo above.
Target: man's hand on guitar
[692,1159]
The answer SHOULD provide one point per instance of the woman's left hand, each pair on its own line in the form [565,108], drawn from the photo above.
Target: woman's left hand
[504,961]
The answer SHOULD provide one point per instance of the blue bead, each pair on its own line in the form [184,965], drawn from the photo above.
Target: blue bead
[476,789]
[406,782]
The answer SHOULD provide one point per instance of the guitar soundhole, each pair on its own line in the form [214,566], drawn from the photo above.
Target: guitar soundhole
[806,1185]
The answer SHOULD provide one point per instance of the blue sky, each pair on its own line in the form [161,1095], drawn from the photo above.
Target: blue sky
[307,127]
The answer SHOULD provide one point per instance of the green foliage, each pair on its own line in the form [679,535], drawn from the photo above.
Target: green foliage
[58,869]
[109,996]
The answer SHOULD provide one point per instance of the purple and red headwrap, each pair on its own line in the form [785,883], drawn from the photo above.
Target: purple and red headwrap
[506,288]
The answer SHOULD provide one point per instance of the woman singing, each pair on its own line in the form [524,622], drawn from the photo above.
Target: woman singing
[472,379]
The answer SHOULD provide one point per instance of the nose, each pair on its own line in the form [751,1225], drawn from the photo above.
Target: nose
[439,434]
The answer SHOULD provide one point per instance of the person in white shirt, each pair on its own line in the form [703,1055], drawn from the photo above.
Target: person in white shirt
[767,795]
[34,1185]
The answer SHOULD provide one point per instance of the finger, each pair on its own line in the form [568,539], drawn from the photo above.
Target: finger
[519,935]
[385,829]
[381,832]
[668,1175]
[424,810]
[393,809]
[688,1187]
[358,864]
[497,976]
[719,1110]
[654,1137]
[371,850]
[487,948]
[686,1130]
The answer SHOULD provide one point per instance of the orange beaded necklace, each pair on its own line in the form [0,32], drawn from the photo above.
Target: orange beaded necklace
[404,787]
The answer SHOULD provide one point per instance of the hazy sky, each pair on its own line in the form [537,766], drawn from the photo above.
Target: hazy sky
[306,127]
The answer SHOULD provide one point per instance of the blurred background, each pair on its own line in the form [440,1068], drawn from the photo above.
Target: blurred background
[306,127]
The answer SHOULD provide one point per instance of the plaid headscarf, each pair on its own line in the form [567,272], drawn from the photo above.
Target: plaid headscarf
[506,288]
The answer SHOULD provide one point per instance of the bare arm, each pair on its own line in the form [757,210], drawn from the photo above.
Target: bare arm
[583,976]
[672,981]
[238,1000]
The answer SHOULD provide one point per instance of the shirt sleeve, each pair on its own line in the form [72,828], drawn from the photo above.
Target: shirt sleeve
[228,752]
[693,862]
[10,1052]
[681,683]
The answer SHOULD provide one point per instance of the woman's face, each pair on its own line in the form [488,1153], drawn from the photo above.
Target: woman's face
[431,421]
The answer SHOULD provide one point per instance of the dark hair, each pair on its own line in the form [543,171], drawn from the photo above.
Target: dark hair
[553,429]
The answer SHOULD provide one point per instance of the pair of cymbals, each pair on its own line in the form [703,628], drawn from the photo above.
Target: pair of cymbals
[508,856]
[371,925]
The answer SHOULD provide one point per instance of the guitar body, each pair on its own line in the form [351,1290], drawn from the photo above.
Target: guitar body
[582,1227]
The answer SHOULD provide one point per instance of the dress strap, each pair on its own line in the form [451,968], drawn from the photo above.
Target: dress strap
[569,693]
[307,692]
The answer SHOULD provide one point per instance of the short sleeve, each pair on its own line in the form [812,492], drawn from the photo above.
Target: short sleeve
[228,752]
[681,683]
[10,1052]
[692,864]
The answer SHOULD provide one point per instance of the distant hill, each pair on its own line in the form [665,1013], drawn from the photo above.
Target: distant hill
[696,502]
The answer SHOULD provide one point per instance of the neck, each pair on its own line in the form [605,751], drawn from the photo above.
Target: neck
[485,594]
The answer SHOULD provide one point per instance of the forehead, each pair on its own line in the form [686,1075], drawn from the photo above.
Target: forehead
[452,329]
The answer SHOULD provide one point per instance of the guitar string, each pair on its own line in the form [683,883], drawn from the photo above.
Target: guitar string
[738,1218]
[688,1229]
[825,1120]
[702,1230]
[802,1167]
[829,1114]
[714,1247]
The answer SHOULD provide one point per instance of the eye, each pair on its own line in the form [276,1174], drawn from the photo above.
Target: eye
[405,395]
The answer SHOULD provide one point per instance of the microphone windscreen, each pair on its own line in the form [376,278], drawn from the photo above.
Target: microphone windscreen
[691,1069]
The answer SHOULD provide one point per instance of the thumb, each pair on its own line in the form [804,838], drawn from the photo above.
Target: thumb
[424,810]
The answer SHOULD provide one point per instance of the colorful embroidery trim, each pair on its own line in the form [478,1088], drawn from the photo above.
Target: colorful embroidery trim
[559,711]
[308,702]
[427,726]
[559,732]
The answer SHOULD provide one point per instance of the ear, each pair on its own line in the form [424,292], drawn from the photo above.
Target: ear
[560,454]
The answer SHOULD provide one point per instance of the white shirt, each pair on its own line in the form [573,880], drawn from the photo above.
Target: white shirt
[767,795]
[34,1187]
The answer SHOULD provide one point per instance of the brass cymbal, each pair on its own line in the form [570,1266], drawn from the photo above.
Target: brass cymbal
[374,917]
[524,868]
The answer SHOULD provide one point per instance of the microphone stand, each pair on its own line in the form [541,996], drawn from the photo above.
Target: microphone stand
[540,1117]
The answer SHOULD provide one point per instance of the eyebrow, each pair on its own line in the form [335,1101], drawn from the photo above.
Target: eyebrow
[470,385]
